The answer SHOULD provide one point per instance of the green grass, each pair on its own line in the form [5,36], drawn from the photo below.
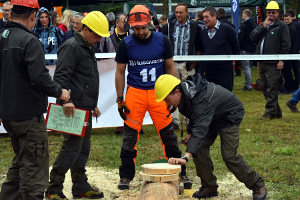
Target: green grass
[269,146]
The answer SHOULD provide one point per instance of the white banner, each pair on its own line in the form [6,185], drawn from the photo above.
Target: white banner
[107,97]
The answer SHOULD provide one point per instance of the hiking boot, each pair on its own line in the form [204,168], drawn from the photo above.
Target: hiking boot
[91,194]
[124,184]
[206,192]
[267,116]
[186,182]
[59,196]
[260,193]
[292,106]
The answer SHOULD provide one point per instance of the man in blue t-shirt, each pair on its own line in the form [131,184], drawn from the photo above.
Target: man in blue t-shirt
[147,55]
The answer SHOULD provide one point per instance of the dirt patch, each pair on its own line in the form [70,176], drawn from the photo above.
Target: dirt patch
[106,181]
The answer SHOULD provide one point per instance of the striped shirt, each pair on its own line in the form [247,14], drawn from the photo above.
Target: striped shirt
[181,37]
[212,33]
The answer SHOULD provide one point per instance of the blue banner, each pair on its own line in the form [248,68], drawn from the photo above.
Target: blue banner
[235,14]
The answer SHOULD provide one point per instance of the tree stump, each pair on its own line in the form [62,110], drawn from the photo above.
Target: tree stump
[160,181]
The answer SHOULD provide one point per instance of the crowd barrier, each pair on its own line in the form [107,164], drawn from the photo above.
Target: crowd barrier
[209,57]
[107,94]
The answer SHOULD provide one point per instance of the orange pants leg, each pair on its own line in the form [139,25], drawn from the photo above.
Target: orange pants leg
[136,100]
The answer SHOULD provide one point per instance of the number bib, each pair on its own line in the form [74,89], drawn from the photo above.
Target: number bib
[146,61]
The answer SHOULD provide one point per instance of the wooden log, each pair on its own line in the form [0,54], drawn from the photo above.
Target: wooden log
[158,177]
[161,168]
[160,181]
[159,190]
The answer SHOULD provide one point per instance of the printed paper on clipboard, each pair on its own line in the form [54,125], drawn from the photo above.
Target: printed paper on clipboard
[56,120]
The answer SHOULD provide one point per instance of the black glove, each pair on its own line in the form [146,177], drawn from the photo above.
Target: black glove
[122,107]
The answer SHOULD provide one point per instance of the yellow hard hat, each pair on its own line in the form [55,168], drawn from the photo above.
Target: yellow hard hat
[272,5]
[164,85]
[97,22]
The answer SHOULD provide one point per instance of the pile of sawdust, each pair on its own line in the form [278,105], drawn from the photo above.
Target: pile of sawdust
[107,181]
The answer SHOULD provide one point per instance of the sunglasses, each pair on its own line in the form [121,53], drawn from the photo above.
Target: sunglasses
[271,12]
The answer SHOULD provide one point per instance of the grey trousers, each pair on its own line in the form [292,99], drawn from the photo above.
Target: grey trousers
[73,155]
[234,161]
[28,175]
[270,76]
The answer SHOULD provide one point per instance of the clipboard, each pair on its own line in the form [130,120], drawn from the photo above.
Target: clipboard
[56,120]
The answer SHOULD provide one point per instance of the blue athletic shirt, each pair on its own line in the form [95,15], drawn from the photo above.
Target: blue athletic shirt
[145,58]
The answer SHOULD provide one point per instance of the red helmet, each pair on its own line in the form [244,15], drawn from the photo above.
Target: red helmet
[139,15]
[26,3]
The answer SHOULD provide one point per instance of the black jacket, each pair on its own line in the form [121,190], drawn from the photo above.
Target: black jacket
[225,20]
[25,81]
[67,35]
[246,44]
[77,70]
[297,42]
[293,37]
[209,107]
[2,23]
[276,38]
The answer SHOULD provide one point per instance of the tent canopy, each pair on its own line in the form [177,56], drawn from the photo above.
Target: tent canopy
[196,3]
[226,3]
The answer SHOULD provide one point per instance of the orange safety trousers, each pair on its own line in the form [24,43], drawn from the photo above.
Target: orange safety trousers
[139,101]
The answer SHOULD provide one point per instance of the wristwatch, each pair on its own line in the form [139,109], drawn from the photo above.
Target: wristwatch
[185,158]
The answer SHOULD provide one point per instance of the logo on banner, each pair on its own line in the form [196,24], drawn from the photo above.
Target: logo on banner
[234,5]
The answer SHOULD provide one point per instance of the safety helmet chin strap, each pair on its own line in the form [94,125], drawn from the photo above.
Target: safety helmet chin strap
[137,16]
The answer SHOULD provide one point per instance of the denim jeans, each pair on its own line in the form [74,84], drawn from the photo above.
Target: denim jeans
[247,70]
[296,96]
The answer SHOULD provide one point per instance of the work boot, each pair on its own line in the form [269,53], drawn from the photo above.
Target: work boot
[91,194]
[206,192]
[59,196]
[268,116]
[260,193]
[124,184]
[292,106]
[186,182]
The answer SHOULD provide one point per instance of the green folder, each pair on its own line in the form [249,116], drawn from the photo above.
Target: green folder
[56,120]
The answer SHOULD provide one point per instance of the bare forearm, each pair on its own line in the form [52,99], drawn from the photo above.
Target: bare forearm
[120,83]
[170,67]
